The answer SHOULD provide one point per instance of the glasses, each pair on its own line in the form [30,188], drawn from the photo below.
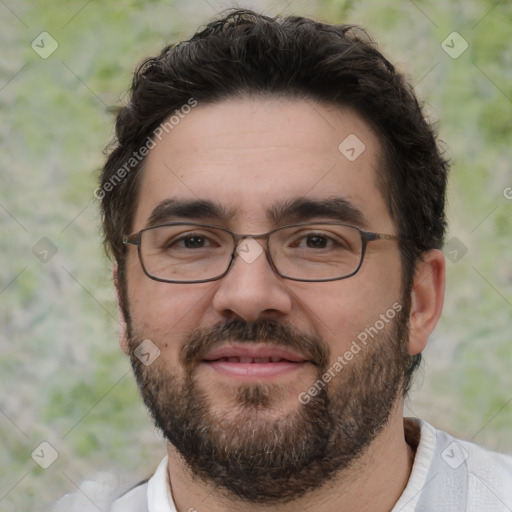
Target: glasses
[187,252]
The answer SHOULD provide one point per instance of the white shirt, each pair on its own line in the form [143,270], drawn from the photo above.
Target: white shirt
[448,475]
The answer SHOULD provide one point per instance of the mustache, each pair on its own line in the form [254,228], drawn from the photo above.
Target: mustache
[201,341]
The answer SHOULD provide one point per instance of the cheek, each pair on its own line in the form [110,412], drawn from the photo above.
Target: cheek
[343,310]
[164,313]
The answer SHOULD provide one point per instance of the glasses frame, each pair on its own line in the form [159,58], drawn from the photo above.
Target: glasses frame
[366,237]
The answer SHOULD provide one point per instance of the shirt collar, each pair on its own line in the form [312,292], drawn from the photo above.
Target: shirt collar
[422,462]
[159,490]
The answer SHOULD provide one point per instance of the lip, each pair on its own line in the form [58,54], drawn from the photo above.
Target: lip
[254,362]
[256,352]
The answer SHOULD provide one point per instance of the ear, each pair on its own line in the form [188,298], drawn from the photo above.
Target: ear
[427,299]
[122,329]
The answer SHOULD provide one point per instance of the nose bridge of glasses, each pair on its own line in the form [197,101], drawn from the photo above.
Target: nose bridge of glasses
[240,239]
[249,248]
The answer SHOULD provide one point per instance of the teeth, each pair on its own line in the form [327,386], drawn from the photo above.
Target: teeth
[245,359]
[262,360]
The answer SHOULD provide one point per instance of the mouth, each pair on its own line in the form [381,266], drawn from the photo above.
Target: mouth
[256,360]
[252,360]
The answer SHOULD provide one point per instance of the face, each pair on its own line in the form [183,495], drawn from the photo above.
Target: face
[261,378]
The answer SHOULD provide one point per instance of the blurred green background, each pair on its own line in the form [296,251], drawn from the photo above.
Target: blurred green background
[63,377]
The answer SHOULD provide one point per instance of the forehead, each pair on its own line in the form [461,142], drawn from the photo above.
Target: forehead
[251,157]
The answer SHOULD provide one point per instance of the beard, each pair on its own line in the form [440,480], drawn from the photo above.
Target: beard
[241,450]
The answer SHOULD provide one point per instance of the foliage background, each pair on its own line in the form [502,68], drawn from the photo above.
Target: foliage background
[63,378]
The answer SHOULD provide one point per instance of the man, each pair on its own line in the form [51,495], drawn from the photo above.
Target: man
[274,204]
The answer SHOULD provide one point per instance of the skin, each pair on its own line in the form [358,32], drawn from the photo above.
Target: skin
[248,154]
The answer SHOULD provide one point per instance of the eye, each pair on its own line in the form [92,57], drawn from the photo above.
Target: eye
[190,241]
[314,240]
[317,241]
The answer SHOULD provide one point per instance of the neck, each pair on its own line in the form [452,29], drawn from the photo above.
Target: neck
[374,483]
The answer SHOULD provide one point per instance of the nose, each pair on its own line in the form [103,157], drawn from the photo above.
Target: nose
[251,289]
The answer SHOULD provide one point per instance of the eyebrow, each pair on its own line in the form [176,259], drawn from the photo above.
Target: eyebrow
[302,209]
[187,209]
[299,209]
